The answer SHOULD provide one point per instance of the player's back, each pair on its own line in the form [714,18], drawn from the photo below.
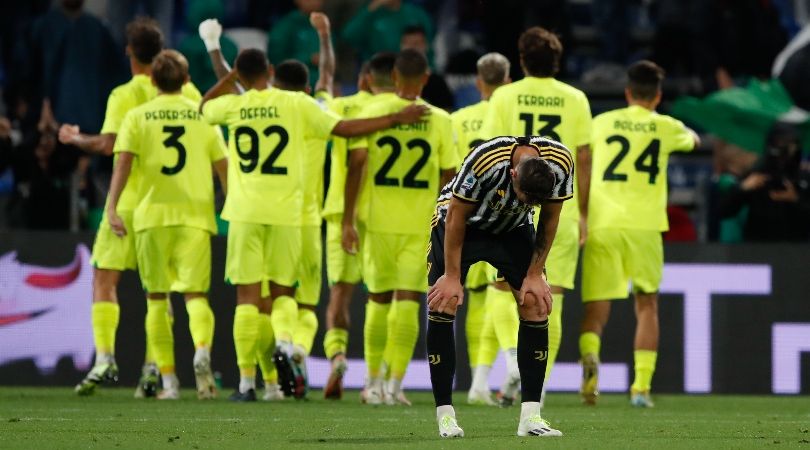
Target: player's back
[268,132]
[404,162]
[468,125]
[631,147]
[174,148]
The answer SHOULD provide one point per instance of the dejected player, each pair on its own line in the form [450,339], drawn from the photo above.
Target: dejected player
[485,214]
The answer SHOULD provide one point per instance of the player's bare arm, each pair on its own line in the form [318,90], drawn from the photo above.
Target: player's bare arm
[358,162]
[210,31]
[224,86]
[583,169]
[535,287]
[123,167]
[101,144]
[447,293]
[326,54]
[221,169]
[361,127]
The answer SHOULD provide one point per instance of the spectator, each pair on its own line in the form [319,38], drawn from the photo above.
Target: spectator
[776,192]
[436,92]
[193,48]
[292,37]
[378,26]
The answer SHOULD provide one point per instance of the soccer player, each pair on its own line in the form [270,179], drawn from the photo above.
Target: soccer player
[485,214]
[174,151]
[113,254]
[541,105]
[404,165]
[493,71]
[268,131]
[627,215]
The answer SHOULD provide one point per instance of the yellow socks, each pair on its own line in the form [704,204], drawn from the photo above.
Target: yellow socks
[589,344]
[645,367]
[554,331]
[476,312]
[305,330]
[265,345]
[488,346]
[502,308]
[159,334]
[402,337]
[335,342]
[200,322]
[245,337]
[284,317]
[105,323]
[375,332]
[391,319]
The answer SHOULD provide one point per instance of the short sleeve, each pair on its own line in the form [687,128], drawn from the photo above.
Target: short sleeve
[469,187]
[128,135]
[217,147]
[215,111]
[584,124]
[320,121]
[116,110]
[680,138]
[191,92]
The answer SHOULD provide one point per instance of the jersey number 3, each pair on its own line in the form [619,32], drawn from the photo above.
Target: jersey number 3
[647,161]
[173,141]
[381,178]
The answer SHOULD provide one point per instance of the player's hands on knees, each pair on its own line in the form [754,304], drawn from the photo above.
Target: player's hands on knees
[411,113]
[445,295]
[350,240]
[117,224]
[536,289]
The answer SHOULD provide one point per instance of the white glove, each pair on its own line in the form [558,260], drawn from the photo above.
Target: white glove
[210,31]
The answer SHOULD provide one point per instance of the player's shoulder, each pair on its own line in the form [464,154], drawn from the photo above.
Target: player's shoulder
[476,109]
[436,112]
[569,90]
[554,151]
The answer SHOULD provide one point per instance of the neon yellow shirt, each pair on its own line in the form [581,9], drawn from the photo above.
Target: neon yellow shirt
[122,99]
[468,125]
[348,108]
[174,148]
[268,138]
[631,147]
[403,167]
[542,107]
[314,160]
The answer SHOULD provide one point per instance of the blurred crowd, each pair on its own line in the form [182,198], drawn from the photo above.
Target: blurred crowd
[59,60]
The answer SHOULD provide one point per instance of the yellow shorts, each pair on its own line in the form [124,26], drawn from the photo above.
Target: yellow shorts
[395,262]
[174,259]
[479,276]
[341,266]
[615,257]
[258,252]
[113,252]
[310,266]
[561,264]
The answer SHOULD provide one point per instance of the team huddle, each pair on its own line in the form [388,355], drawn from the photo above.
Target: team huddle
[514,207]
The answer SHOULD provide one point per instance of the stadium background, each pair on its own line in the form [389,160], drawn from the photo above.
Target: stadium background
[722,81]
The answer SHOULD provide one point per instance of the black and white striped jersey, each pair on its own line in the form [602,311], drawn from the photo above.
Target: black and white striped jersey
[485,179]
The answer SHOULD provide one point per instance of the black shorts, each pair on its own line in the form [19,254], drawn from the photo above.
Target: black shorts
[509,252]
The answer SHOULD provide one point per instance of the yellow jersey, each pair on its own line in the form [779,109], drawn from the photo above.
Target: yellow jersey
[404,162]
[122,99]
[347,107]
[268,134]
[314,160]
[174,148]
[631,147]
[468,125]
[542,107]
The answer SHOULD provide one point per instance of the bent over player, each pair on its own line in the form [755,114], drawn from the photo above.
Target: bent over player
[485,214]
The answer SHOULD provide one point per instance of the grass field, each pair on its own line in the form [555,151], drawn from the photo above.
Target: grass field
[56,418]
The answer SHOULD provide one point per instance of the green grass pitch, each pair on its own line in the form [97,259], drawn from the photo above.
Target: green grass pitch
[56,418]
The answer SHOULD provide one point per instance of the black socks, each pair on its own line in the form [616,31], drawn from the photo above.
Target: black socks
[532,358]
[441,349]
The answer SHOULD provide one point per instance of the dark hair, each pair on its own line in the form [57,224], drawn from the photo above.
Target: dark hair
[251,64]
[540,52]
[644,79]
[380,67]
[535,179]
[170,70]
[292,75]
[145,39]
[411,63]
[414,29]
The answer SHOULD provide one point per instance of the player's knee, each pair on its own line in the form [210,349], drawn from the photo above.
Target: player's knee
[646,303]
[105,284]
[532,311]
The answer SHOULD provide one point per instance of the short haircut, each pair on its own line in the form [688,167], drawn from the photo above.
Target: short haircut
[411,63]
[251,64]
[293,75]
[535,179]
[144,39]
[644,79]
[380,67]
[493,68]
[414,29]
[540,52]
[170,70]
